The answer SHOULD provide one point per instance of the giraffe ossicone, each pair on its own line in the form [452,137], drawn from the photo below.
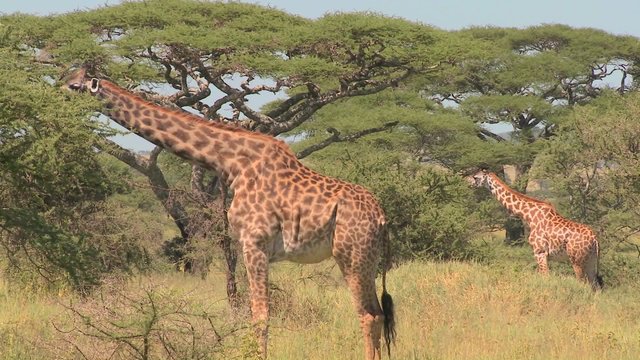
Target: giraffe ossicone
[281,209]
[550,233]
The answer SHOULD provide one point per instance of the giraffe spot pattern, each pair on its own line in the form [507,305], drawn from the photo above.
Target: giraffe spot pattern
[551,234]
[281,209]
[182,135]
[163,125]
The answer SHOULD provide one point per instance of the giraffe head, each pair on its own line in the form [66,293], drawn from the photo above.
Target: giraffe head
[78,81]
[480,179]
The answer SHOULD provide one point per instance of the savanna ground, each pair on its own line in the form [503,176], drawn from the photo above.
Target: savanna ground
[495,309]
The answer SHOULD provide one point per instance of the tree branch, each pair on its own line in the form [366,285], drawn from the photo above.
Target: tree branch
[305,109]
[236,97]
[159,186]
[487,133]
[287,104]
[335,137]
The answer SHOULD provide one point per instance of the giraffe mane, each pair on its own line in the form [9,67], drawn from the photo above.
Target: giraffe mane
[519,194]
[197,119]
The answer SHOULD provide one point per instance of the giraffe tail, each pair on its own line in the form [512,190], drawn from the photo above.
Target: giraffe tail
[599,284]
[389,326]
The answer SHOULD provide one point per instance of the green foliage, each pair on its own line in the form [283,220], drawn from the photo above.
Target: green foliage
[267,41]
[427,214]
[428,210]
[391,37]
[72,255]
[527,77]
[52,182]
[42,151]
[589,162]
[498,108]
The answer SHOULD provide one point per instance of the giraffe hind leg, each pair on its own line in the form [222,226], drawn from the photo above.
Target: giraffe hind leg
[541,260]
[578,269]
[585,266]
[369,313]
[360,279]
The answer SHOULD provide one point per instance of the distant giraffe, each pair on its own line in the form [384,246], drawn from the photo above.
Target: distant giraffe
[550,233]
[281,210]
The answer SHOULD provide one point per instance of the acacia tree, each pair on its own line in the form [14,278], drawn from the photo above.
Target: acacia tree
[530,73]
[513,84]
[529,78]
[216,56]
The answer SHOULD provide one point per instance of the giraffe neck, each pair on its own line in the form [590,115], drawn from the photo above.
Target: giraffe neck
[517,203]
[216,146]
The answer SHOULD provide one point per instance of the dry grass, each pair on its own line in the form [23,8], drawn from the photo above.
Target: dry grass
[445,311]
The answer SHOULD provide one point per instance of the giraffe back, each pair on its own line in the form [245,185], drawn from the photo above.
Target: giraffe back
[301,211]
[562,236]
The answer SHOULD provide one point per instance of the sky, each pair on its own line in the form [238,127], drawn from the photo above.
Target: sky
[618,17]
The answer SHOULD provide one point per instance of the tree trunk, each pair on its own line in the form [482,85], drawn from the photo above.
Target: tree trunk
[231,259]
[514,229]
[218,224]
[229,251]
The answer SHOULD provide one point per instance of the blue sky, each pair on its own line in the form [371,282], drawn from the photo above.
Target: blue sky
[618,17]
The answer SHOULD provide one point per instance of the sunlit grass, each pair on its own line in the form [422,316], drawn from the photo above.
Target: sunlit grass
[23,322]
[447,310]
[468,311]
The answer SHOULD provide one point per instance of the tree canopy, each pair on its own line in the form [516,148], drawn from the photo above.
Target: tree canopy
[398,106]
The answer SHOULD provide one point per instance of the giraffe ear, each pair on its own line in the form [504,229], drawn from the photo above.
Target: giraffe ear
[95,85]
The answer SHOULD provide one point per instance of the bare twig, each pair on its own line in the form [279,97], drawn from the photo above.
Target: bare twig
[336,137]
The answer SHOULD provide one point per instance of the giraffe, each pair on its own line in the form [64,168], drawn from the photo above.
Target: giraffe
[551,235]
[281,209]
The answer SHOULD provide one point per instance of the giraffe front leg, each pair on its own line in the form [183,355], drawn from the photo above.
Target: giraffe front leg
[578,268]
[539,245]
[541,259]
[257,262]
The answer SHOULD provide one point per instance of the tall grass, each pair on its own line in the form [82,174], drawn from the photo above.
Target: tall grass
[23,322]
[446,310]
[470,311]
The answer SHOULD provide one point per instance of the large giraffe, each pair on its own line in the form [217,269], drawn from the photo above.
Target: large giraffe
[281,210]
[550,233]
